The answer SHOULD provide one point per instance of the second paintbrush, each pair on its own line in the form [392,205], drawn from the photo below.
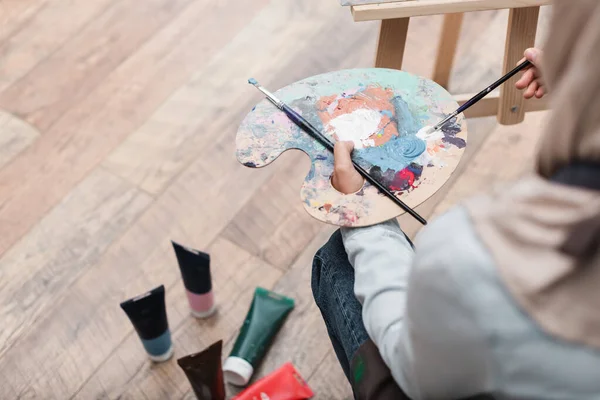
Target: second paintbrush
[314,132]
[481,95]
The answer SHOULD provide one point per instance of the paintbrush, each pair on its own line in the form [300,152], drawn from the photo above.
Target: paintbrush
[479,96]
[315,134]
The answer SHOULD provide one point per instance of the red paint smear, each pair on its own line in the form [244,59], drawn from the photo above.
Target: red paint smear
[327,207]
[403,180]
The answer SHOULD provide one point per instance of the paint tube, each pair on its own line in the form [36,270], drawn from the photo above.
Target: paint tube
[204,372]
[264,319]
[195,271]
[148,314]
[283,384]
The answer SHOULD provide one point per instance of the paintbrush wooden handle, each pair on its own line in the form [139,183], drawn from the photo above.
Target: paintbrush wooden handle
[307,127]
[493,86]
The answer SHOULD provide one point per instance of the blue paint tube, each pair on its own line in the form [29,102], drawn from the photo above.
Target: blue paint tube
[148,314]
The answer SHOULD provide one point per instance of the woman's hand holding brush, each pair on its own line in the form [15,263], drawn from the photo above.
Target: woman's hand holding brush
[345,178]
[531,80]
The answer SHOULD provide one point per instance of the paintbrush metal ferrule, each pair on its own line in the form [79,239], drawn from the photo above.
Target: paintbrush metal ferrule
[440,124]
[278,103]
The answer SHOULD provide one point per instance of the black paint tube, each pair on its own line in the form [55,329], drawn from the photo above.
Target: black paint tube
[148,315]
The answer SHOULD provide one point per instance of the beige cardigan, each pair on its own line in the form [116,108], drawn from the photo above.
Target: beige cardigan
[447,327]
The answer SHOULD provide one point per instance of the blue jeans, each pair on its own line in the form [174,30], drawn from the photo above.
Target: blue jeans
[333,288]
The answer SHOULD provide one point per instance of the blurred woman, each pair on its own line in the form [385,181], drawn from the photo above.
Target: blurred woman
[501,295]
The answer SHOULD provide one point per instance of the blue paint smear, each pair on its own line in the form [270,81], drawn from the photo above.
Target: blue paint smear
[394,155]
[252,81]
[450,131]
[407,123]
[400,150]
[260,131]
[311,173]
[301,139]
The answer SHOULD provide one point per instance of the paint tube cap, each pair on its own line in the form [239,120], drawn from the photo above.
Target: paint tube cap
[237,371]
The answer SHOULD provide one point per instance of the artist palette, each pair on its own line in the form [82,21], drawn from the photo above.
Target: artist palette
[383,112]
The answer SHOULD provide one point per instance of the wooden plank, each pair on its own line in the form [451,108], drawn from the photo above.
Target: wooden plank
[480,51]
[274,225]
[447,48]
[522,27]
[479,61]
[489,105]
[60,248]
[481,48]
[485,107]
[506,154]
[383,11]
[328,381]
[424,35]
[46,31]
[128,374]
[175,134]
[391,43]
[86,322]
[14,14]
[42,174]
[15,136]
[71,73]
[306,332]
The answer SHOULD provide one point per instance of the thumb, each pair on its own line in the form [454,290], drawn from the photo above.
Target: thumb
[534,55]
[345,177]
[342,160]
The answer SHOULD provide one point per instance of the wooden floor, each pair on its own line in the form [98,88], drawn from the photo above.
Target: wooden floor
[117,129]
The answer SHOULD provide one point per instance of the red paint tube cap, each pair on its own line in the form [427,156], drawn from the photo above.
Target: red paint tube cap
[283,384]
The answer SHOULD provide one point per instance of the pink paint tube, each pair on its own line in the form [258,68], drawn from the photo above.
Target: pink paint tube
[283,384]
[195,271]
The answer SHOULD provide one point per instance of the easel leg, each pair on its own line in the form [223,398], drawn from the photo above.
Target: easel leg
[522,26]
[447,48]
[390,46]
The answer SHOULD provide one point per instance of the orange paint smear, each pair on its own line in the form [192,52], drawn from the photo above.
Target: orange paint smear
[375,98]
[433,149]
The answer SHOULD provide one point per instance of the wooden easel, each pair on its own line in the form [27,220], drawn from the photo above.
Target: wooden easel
[508,105]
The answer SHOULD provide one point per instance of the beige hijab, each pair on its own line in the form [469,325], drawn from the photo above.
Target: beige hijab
[544,236]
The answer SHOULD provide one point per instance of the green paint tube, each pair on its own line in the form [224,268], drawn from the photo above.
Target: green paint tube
[264,319]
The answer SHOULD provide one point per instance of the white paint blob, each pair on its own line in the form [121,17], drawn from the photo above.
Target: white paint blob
[357,126]
[427,133]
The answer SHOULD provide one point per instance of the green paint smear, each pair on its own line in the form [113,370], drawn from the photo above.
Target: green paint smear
[359,370]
